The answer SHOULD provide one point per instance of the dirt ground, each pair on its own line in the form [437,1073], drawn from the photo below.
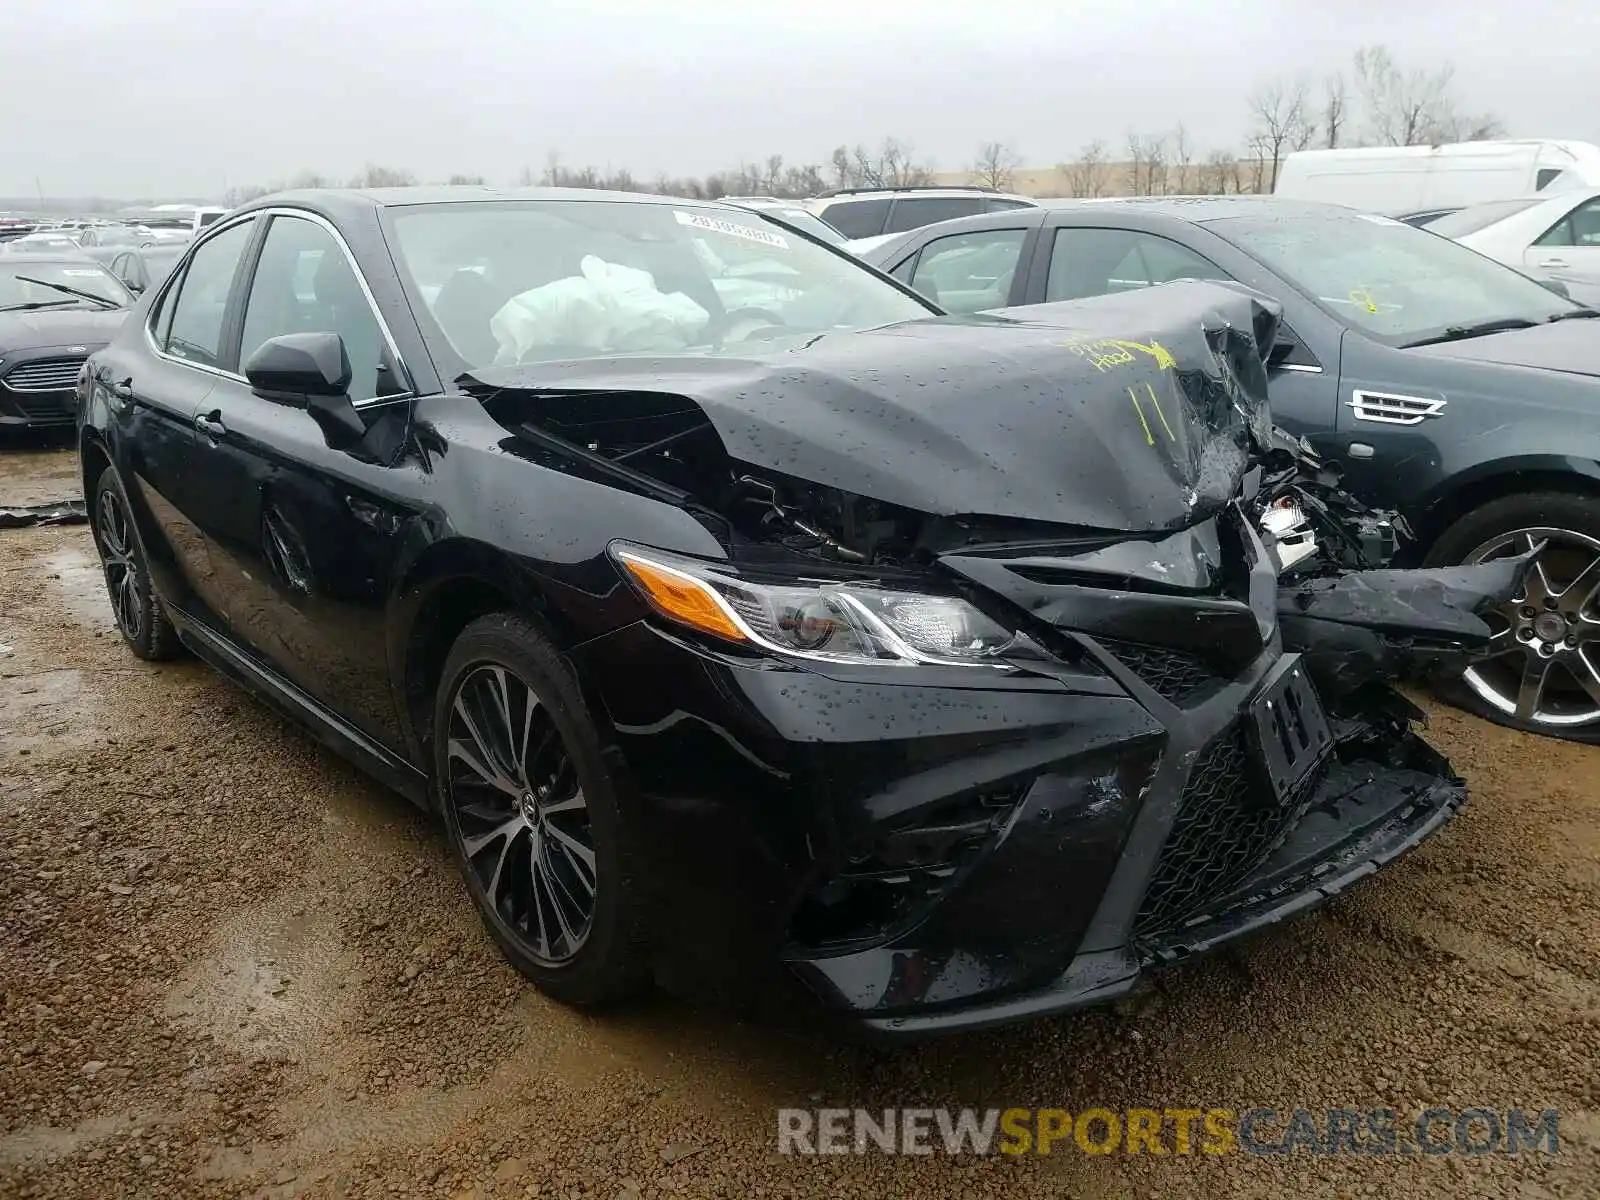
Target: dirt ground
[231,966]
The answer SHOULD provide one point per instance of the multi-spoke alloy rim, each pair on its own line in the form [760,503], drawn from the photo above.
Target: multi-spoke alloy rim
[1543,664]
[523,820]
[122,570]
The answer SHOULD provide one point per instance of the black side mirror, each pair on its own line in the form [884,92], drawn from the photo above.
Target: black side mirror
[300,364]
[313,370]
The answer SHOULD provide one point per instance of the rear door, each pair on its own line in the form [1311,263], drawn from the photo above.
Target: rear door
[310,536]
[155,385]
[1569,249]
[913,212]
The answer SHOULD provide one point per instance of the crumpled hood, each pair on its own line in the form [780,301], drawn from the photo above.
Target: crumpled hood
[1572,346]
[47,328]
[1133,413]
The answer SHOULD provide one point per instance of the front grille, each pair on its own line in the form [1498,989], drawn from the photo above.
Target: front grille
[1171,674]
[40,408]
[45,375]
[1227,822]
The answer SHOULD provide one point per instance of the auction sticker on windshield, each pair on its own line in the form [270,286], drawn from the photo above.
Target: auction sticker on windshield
[731,228]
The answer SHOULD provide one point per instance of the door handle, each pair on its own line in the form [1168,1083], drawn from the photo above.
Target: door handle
[211,424]
[1553,262]
[123,389]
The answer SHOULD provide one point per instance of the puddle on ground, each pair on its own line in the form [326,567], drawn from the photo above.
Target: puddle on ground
[76,580]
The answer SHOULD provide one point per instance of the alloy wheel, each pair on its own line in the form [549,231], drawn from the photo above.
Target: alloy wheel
[1543,664]
[523,820]
[117,554]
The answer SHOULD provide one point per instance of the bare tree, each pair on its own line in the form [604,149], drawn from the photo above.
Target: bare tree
[1335,109]
[891,166]
[1181,172]
[463,180]
[373,176]
[1280,124]
[1414,107]
[839,165]
[1223,173]
[995,166]
[1090,176]
[1147,164]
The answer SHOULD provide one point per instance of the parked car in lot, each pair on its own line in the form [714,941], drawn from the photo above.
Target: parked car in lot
[142,268]
[790,212]
[54,311]
[866,212]
[803,642]
[1555,236]
[1451,388]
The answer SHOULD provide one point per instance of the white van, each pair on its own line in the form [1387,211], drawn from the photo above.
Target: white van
[1403,180]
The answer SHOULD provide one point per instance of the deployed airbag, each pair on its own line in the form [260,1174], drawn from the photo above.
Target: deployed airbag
[610,308]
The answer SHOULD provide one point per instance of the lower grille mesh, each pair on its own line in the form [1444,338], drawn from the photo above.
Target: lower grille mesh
[1171,674]
[1226,824]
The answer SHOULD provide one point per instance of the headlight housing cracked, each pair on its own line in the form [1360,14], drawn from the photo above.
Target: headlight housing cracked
[825,621]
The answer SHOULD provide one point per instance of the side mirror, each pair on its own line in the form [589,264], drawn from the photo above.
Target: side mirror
[1554,285]
[300,364]
[310,370]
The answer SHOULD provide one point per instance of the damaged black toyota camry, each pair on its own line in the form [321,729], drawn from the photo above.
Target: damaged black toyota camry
[752,625]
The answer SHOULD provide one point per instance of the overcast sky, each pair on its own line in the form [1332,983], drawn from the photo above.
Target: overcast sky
[120,98]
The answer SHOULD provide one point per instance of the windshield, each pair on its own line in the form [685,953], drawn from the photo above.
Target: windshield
[79,277]
[1479,216]
[535,280]
[1381,276]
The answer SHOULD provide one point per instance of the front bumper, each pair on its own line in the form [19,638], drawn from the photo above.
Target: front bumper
[38,387]
[934,850]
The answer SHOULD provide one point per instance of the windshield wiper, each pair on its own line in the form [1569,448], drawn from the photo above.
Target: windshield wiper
[1575,314]
[71,291]
[1455,333]
[31,304]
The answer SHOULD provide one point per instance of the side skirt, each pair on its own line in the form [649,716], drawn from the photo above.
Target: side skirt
[317,719]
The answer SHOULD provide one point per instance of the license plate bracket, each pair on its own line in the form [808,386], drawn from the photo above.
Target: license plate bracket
[1289,727]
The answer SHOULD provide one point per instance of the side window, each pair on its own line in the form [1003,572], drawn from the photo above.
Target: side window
[304,283]
[1585,223]
[1559,234]
[194,330]
[1092,262]
[969,272]
[857,218]
[1001,204]
[1545,177]
[925,210]
[906,271]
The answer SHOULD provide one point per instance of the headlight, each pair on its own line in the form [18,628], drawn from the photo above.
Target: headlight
[831,622]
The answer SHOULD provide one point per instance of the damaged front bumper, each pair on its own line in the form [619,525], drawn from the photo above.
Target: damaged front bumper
[932,849]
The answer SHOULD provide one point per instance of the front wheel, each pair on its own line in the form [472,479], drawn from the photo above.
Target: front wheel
[533,818]
[1542,673]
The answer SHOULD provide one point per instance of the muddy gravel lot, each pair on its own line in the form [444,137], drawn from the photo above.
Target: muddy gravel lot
[231,966]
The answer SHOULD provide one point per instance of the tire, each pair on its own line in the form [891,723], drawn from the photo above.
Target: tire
[517,854]
[1507,689]
[140,617]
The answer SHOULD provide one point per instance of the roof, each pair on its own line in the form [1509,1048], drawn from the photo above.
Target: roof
[1209,208]
[343,201]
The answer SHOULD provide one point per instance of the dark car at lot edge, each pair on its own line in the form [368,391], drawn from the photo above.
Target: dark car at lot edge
[934,671]
[1449,387]
[55,310]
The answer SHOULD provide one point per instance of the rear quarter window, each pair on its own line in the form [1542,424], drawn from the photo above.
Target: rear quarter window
[857,218]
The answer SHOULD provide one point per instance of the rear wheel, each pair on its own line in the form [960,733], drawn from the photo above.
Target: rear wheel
[143,624]
[1543,670]
[533,817]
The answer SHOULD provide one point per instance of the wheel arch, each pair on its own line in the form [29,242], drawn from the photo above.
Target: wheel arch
[94,457]
[1479,485]
[450,585]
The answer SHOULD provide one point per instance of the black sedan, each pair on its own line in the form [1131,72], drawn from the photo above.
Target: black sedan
[747,621]
[55,310]
[1449,387]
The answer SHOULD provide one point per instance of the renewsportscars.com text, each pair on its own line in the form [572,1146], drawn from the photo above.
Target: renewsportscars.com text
[1178,1131]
